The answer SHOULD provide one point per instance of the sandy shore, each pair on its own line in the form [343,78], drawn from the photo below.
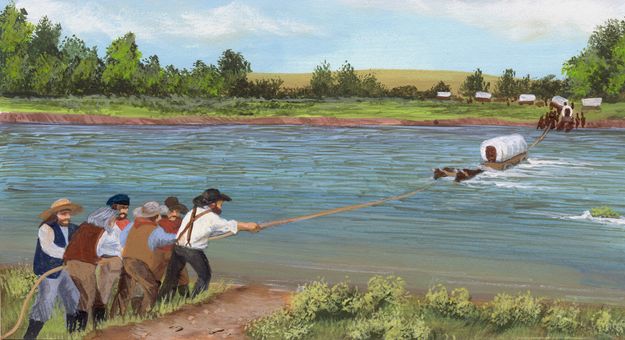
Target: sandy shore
[87,119]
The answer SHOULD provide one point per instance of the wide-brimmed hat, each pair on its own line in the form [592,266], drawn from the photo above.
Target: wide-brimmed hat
[172,203]
[210,196]
[147,210]
[60,205]
[121,199]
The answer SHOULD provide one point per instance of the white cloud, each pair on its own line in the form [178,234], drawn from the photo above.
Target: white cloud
[225,22]
[515,19]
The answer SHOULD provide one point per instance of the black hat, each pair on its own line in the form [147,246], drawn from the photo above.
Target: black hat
[172,203]
[121,199]
[210,196]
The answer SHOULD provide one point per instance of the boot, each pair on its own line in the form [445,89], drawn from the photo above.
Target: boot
[70,322]
[99,316]
[34,327]
[183,290]
[81,320]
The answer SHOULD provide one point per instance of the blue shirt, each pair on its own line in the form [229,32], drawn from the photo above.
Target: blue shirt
[159,237]
[124,235]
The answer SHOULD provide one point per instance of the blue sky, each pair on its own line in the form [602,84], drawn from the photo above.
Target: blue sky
[530,36]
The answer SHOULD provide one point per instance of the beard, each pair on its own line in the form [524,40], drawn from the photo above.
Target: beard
[216,210]
[122,216]
[64,222]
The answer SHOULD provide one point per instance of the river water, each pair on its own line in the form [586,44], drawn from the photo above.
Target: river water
[523,229]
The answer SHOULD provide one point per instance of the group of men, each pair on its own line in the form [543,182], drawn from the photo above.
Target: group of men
[561,118]
[145,257]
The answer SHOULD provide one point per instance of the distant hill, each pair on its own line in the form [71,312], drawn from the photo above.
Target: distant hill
[422,79]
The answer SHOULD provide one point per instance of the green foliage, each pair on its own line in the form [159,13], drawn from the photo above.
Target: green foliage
[441,86]
[506,310]
[122,65]
[390,323]
[45,39]
[265,88]
[371,87]
[203,81]
[407,92]
[604,323]
[506,86]
[605,212]
[322,82]
[546,87]
[474,83]
[47,75]
[562,319]
[280,325]
[456,305]
[234,69]
[15,282]
[15,36]
[347,82]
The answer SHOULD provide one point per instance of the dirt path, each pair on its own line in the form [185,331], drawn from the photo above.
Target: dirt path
[222,318]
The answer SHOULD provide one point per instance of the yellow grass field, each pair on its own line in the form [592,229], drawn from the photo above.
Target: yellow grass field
[422,79]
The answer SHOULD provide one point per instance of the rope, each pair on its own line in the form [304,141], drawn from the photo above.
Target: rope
[541,137]
[27,300]
[331,211]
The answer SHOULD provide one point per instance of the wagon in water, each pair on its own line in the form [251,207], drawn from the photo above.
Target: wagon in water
[503,152]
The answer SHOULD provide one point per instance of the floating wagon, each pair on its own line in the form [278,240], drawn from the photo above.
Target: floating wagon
[503,152]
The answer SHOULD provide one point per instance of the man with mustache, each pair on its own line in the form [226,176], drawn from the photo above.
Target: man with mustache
[121,203]
[53,237]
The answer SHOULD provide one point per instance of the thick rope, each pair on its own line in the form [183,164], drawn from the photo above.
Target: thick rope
[541,137]
[27,300]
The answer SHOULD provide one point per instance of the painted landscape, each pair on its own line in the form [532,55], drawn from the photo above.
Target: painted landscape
[409,170]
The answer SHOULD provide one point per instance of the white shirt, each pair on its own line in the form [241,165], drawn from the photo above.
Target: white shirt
[109,243]
[204,227]
[46,239]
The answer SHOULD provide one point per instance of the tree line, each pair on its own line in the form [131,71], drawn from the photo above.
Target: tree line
[34,61]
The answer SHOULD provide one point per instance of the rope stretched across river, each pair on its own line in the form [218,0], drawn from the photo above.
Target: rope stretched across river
[262,226]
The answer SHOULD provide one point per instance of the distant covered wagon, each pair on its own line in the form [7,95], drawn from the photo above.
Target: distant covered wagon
[443,95]
[559,102]
[592,102]
[483,96]
[503,152]
[527,99]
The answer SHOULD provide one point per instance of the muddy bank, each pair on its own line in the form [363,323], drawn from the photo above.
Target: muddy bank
[223,317]
[84,119]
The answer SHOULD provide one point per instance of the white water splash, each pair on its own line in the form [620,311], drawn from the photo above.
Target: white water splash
[603,220]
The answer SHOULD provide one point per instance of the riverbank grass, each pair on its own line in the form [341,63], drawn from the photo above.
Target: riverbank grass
[385,310]
[418,110]
[16,282]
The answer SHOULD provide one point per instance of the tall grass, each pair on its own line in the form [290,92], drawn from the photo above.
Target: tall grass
[16,281]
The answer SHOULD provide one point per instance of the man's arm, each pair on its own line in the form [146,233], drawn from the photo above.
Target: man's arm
[159,238]
[249,226]
[46,239]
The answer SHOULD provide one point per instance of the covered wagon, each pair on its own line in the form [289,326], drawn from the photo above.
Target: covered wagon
[591,102]
[443,95]
[527,99]
[503,152]
[559,102]
[481,96]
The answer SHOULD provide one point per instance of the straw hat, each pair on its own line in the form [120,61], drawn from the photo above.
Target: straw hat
[60,205]
[147,210]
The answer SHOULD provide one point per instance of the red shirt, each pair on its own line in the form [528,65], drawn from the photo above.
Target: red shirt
[122,224]
[170,227]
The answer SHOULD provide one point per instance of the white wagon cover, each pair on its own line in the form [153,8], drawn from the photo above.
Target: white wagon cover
[527,98]
[443,94]
[483,95]
[592,102]
[558,100]
[507,146]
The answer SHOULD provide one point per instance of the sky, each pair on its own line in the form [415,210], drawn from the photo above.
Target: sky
[532,37]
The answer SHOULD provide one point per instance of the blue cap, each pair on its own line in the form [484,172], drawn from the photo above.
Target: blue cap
[122,199]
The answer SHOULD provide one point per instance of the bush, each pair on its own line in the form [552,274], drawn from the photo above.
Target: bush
[506,310]
[457,305]
[318,299]
[562,319]
[391,323]
[381,293]
[605,212]
[280,325]
[17,281]
[604,323]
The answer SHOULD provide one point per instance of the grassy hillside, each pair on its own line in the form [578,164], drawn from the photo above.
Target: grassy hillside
[422,79]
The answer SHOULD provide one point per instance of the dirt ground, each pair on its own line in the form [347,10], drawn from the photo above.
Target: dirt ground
[224,317]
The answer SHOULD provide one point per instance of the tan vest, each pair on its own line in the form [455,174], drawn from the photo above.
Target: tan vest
[137,243]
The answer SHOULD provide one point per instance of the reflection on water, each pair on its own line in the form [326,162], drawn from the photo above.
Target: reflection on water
[503,229]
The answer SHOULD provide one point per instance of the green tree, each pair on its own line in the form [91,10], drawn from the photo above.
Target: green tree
[84,68]
[121,66]
[506,86]
[347,82]
[473,83]
[48,75]
[173,82]
[523,85]
[598,69]
[15,36]
[151,77]
[546,87]
[234,69]
[370,86]
[322,81]
[45,39]
[204,80]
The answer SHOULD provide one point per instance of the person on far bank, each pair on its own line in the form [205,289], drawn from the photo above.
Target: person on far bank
[198,225]
[54,234]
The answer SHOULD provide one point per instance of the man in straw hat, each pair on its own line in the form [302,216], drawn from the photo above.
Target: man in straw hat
[54,234]
[170,222]
[139,259]
[202,222]
[94,240]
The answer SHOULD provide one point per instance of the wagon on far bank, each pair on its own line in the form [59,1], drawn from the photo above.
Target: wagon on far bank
[443,95]
[528,99]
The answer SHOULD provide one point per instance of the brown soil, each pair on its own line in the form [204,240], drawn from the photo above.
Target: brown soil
[224,317]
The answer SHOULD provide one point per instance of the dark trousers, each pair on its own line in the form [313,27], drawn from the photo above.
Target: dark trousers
[179,258]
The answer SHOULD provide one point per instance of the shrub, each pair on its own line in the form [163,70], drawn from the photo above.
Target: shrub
[562,319]
[605,212]
[506,310]
[603,323]
[382,292]
[317,299]
[457,304]
[391,323]
[280,325]
[17,281]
